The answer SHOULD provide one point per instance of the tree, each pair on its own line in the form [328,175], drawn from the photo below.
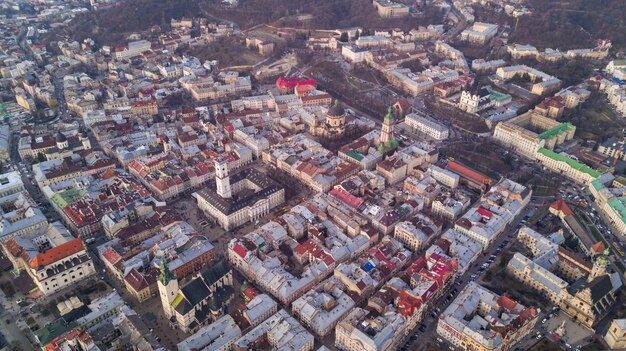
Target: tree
[285,249]
[344,37]
[508,159]
[521,78]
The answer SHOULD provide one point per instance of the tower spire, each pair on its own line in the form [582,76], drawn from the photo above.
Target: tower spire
[386,132]
[599,265]
[165,275]
[389,115]
[222,179]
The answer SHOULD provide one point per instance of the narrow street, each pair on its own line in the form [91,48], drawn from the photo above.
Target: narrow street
[9,324]
[461,282]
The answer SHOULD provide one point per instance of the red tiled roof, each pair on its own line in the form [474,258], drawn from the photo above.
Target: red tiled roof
[308,168]
[507,303]
[55,344]
[111,256]
[416,266]
[346,197]
[136,280]
[312,248]
[484,212]
[561,206]
[468,173]
[109,173]
[598,247]
[250,293]
[240,250]
[407,304]
[391,163]
[293,82]
[57,253]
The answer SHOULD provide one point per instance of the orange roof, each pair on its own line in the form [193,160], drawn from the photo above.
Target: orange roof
[566,255]
[468,173]
[507,303]
[109,173]
[308,168]
[561,206]
[598,247]
[57,253]
[404,104]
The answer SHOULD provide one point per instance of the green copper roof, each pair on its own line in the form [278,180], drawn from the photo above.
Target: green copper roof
[618,204]
[166,275]
[389,115]
[496,95]
[355,155]
[572,163]
[603,260]
[560,129]
[53,329]
[597,185]
[64,198]
[388,146]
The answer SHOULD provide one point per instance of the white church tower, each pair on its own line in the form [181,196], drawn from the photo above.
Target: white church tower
[599,266]
[222,180]
[168,289]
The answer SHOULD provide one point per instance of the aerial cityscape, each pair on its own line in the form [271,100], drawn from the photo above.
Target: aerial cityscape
[295,175]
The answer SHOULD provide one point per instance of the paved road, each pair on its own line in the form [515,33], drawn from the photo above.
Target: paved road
[460,283]
[13,334]
[614,237]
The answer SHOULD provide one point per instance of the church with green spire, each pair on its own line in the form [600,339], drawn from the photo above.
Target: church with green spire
[165,275]
[387,142]
[200,301]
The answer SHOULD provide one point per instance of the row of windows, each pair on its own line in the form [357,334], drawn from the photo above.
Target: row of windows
[64,280]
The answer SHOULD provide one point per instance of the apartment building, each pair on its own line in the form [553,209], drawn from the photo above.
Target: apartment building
[567,166]
[479,33]
[390,9]
[423,125]
[61,262]
[467,322]
[132,49]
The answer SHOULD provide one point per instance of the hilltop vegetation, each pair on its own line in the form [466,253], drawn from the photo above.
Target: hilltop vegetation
[323,14]
[112,25]
[566,24]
